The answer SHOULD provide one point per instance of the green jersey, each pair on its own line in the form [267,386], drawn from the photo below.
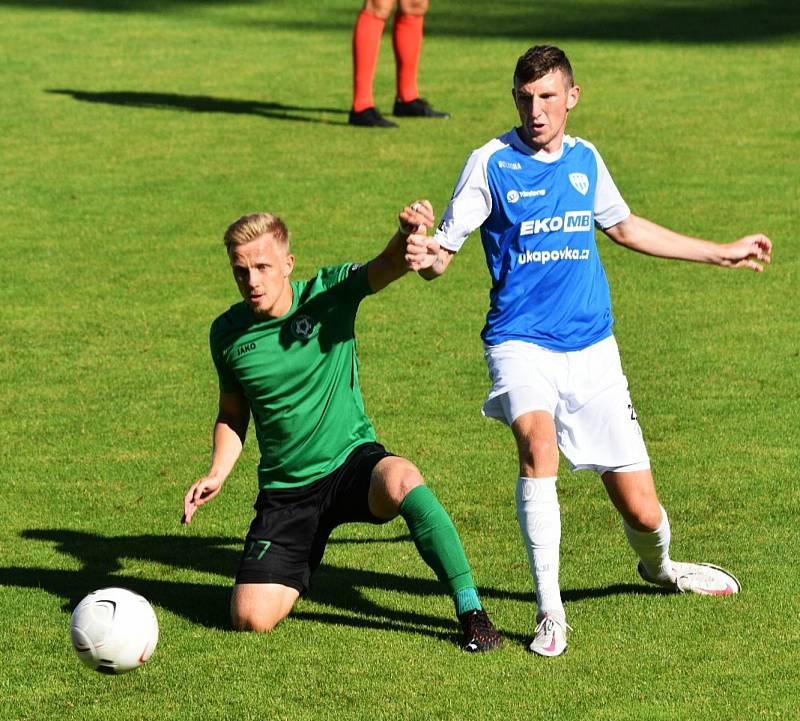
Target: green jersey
[299,374]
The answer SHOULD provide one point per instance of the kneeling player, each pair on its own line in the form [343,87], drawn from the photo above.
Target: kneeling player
[286,354]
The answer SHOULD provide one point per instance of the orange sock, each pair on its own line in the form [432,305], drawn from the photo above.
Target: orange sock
[366,45]
[407,43]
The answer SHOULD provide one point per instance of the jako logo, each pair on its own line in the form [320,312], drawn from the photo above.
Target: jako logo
[512,196]
[548,256]
[246,348]
[573,221]
[509,166]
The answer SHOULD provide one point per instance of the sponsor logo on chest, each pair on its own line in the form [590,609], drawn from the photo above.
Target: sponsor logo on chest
[513,196]
[552,256]
[571,222]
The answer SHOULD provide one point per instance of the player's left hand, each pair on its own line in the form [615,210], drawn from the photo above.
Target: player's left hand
[748,252]
[421,252]
[416,217]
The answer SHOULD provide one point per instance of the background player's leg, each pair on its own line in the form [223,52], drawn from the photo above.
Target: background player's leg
[407,35]
[407,44]
[366,47]
[261,606]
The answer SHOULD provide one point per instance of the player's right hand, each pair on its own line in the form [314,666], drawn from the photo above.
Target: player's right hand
[416,217]
[199,493]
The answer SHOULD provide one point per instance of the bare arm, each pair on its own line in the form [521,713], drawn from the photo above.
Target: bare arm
[650,238]
[230,429]
[391,263]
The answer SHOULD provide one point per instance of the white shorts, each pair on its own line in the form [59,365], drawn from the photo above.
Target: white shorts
[585,391]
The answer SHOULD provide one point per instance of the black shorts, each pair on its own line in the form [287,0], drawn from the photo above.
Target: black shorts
[287,537]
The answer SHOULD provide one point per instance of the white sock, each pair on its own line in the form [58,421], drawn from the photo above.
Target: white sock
[652,548]
[539,517]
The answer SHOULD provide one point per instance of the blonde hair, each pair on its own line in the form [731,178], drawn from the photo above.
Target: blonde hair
[250,227]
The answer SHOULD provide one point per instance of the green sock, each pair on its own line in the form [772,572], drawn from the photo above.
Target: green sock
[467,600]
[438,543]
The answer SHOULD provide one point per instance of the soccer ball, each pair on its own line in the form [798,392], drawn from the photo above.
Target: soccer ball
[114,630]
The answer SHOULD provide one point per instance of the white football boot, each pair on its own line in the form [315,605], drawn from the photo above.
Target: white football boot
[550,637]
[703,579]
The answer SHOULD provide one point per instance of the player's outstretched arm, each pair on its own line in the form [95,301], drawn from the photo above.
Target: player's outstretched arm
[644,236]
[230,429]
[391,264]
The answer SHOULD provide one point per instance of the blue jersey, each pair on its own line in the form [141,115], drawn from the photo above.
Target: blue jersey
[537,215]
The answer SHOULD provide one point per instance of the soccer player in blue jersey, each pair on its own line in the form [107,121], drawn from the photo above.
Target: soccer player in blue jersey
[537,195]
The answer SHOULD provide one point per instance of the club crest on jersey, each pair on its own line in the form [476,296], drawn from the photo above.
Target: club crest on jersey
[302,327]
[580,182]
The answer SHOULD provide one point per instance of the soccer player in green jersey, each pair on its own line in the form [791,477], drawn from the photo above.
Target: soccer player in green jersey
[286,355]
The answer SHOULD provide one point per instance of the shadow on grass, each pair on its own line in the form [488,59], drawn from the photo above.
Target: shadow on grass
[203,104]
[698,21]
[692,21]
[203,604]
[343,590]
[122,6]
[107,560]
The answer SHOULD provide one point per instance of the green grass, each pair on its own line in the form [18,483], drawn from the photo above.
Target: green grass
[132,132]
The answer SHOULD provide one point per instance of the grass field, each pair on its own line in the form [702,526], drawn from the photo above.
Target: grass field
[132,132]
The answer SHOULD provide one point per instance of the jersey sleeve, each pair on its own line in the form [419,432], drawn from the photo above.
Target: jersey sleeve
[228,383]
[470,205]
[609,206]
[349,279]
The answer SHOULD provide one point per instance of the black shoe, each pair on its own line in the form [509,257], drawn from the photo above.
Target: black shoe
[370,118]
[419,108]
[479,633]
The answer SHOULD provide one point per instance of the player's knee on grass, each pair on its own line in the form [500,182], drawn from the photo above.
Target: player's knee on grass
[261,606]
[392,480]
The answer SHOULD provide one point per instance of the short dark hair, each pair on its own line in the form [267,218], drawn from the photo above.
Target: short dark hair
[540,60]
